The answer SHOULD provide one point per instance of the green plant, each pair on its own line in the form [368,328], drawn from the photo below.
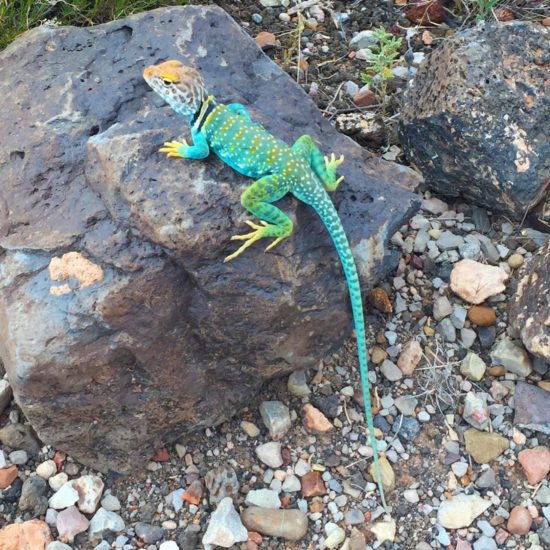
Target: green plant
[17,16]
[383,54]
[483,8]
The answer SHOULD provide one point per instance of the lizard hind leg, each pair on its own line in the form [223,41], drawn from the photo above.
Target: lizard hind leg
[273,222]
[324,167]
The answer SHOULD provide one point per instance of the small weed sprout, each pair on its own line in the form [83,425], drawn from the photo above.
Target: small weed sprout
[378,71]
[484,8]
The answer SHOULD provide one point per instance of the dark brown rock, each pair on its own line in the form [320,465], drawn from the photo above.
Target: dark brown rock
[425,12]
[138,333]
[475,120]
[530,305]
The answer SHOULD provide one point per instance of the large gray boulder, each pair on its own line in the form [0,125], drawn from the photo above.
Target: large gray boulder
[120,327]
[475,119]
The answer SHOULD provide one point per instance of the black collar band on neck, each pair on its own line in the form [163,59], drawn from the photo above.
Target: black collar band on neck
[207,106]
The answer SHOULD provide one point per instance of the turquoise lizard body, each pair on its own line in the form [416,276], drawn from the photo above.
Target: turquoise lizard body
[278,169]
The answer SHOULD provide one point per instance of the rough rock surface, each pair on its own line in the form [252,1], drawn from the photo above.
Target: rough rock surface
[476,118]
[530,307]
[120,327]
[532,406]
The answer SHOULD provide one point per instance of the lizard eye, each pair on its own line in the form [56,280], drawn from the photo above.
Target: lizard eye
[166,82]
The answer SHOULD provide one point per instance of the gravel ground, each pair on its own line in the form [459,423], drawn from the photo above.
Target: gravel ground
[448,379]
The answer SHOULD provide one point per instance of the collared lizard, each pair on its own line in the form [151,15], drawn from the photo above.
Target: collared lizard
[278,169]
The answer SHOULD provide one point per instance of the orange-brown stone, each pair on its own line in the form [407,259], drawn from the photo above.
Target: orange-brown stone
[7,476]
[315,421]
[379,298]
[313,485]
[482,316]
[267,40]
[31,535]
[193,494]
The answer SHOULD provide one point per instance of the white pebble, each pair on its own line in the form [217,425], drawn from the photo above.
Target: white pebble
[47,469]
[423,416]
[411,495]
[57,481]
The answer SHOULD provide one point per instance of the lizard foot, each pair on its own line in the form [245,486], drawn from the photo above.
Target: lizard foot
[174,148]
[333,163]
[330,166]
[250,238]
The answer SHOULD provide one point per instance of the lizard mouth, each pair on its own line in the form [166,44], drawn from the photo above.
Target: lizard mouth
[148,72]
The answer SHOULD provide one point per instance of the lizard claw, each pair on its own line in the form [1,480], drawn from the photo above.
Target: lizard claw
[250,238]
[174,148]
[333,162]
[275,243]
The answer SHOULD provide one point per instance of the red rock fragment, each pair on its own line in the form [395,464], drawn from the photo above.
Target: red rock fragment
[193,494]
[7,476]
[161,455]
[313,485]
[536,463]
[364,98]
[424,12]
[59,458]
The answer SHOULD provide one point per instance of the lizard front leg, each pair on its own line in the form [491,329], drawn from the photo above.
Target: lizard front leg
[274,223]
[181,149]
[239,109]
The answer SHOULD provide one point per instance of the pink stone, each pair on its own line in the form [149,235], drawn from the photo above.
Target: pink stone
[71,522]
[410,357]
[519,522]
[536,463]
[463,545]
[501,536]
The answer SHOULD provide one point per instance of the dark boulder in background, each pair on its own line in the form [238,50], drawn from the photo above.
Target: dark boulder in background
[475,119]
[530,306]
[120,327]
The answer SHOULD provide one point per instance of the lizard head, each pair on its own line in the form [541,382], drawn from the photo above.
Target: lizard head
[180,86]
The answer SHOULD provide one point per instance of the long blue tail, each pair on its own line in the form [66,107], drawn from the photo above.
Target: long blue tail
[324,207]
